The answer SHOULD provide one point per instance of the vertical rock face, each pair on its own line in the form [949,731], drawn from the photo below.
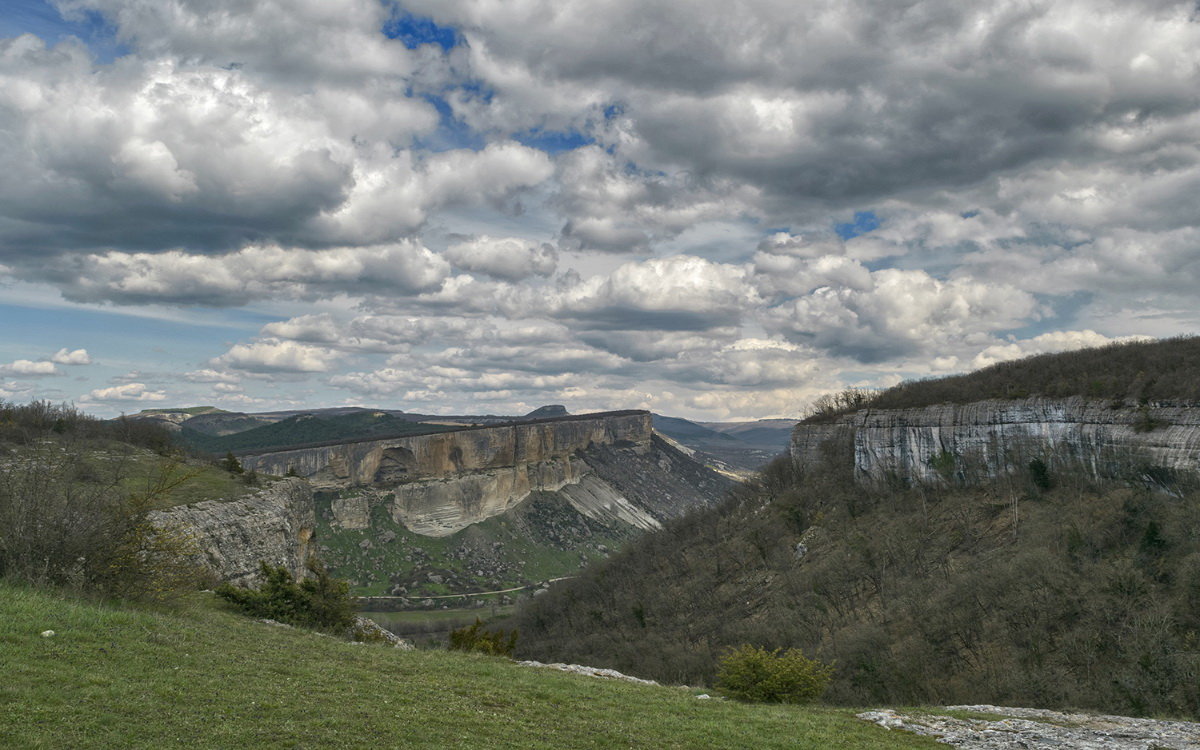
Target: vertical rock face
[274,525]
[445,481]
[996,436]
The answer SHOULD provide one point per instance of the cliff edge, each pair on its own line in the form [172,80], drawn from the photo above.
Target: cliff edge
[995,436]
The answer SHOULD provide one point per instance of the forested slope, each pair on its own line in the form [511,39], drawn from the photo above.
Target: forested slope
[1039,589]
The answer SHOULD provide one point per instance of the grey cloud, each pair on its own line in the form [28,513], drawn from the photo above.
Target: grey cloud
[505,258]
[851,102]
[902,313]
[256,272]
[676,293]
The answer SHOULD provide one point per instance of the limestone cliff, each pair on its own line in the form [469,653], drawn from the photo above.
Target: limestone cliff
[442,482]
[994,436]
[274,525]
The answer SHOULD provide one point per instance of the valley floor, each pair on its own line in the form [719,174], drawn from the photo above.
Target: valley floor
[201,676]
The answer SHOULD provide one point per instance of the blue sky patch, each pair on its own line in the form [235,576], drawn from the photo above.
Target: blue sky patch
[864,221]
[43,20]
[416,30]
[553,141]
[452,132]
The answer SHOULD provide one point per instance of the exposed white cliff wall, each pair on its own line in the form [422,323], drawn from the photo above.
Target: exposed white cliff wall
[995,436]
[446,481]
[274,525]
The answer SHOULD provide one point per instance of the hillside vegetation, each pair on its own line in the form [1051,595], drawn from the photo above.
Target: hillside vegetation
[1129,373]
[305,429]
[76,498]
[114,676]
[1047,589]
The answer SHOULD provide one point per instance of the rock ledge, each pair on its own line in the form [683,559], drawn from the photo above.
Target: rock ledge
[1038,729]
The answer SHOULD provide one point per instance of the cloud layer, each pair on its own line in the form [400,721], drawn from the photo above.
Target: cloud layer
[706,212]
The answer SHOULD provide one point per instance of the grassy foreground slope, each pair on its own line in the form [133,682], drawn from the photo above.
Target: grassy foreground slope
[130,678]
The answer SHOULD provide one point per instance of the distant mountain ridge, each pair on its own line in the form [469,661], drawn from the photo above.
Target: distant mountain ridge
[735,448]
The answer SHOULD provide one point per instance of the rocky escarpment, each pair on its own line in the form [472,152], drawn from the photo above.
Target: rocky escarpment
[443,482]
[995,436]
[274,525]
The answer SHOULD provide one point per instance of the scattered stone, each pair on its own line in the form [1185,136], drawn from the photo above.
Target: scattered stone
[1042,729]
[704,697]
[364,628]
[610,674]
[48,634]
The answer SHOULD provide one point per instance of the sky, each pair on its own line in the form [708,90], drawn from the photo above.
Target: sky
[714,210]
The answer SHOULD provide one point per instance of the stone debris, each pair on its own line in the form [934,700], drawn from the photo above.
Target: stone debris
[48,633]
[370,628]
[1042,729]
[610,674]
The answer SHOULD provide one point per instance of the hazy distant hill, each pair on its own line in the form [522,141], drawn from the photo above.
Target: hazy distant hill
[304,429]
[765,433]
[735,447]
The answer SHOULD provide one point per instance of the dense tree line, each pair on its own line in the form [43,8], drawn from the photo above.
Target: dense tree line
[1128,374]
[1046,589]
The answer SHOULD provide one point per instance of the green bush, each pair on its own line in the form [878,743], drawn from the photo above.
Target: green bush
[752,673]
[68,519]
[475,638]
[321,601]
[1039,473]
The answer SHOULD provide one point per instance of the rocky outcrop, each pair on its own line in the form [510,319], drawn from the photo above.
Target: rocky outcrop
[274,525]
[995,436]
[445,481]
[1002,728]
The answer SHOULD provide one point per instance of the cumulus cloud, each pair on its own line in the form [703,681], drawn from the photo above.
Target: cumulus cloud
[1046,343]
[126,392]
[1029,169]
[210,376]
[29,368]
[275,356]
[66,357]
[12,389]
[849,102]
[900,313]
[676,293]
[506,258]
[254,272]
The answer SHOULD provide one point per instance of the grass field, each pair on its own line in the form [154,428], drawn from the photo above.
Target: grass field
[203,677]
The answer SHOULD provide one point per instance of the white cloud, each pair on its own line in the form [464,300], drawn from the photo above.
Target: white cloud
[1031,168]
[676,293]
[254,272]
[66,357]
[210,376]
[506,258]
[1046,343]
[900,313]
[126,392]
[275,356]
[29,368]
